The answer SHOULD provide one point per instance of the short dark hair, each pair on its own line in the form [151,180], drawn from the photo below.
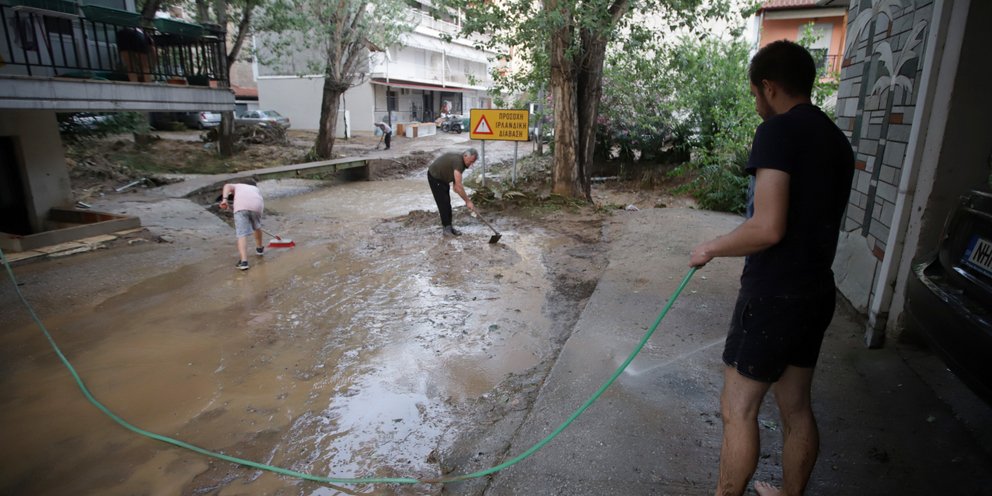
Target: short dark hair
[787,64]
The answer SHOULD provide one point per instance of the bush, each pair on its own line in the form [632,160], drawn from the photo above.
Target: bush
[718,121]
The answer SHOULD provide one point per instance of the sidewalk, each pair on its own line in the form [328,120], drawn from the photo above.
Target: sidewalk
[892,421]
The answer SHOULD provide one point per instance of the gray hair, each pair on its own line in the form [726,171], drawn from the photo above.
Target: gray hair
[472,152]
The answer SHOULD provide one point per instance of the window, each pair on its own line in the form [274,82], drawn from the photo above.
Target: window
[819,46]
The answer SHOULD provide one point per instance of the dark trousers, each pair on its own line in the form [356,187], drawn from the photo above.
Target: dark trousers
[387,138]
[442,197]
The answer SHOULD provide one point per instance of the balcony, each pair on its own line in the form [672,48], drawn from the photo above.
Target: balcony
[60,38]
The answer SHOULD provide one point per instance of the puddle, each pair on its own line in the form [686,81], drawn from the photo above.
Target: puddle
[345,356]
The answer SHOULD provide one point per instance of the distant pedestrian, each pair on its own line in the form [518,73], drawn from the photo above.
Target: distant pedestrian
[387,132]
[801,166]
[247,208]
[447,169]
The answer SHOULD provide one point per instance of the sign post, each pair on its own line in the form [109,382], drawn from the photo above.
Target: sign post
[499,125]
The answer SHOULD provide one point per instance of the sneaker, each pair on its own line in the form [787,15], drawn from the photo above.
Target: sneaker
[259,250]
[451,231]
[242,265]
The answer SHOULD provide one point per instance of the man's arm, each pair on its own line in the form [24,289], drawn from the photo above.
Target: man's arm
[764,229]
[227,190]
[461,191]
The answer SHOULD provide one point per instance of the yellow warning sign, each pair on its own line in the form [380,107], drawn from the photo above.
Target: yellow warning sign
[498,124]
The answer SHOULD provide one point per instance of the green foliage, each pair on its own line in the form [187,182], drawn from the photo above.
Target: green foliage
[80,127]
[711,95]
[332,39]
[524,26]
[662,99]
[708,80]
[827,82]
[635,118]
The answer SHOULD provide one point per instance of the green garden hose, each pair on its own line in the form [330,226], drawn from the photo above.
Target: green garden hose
[341,480]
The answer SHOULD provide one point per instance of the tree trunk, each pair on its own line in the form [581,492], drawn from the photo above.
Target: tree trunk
[577,83]
[565,178]
[328,117]
[239,40]
[225,135]
[590,89]
[540,123]
[202,11]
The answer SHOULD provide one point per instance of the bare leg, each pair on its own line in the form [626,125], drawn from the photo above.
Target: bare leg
[243,248]
[801,438]
[739,406]
[258,238]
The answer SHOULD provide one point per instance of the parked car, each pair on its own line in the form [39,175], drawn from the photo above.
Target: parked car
[197,120]
[262,118]
[83,120]
[949,295]
[200,120]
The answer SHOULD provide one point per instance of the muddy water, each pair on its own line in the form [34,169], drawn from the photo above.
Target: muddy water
[345,356]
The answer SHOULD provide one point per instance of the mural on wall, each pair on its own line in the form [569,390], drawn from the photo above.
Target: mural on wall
[883,52]
[864,23]
[896,81]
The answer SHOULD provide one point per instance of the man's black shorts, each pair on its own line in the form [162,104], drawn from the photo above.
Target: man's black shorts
[769,333]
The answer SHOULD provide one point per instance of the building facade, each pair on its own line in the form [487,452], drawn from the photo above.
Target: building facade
[788,19]
[415,81]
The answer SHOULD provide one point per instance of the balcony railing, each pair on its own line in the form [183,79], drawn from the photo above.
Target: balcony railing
[51,38]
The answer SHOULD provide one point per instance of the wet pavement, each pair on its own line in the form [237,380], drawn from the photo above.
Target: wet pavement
[377,347]
[892,421]
[344,356]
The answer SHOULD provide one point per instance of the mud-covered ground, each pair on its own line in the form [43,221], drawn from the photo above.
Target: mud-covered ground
[374,347]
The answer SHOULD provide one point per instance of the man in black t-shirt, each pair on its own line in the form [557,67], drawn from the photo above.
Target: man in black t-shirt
[801,167]
[443,171]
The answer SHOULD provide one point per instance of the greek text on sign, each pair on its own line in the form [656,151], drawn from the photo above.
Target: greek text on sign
[499,124]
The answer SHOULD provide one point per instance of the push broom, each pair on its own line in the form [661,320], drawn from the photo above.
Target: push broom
[278,242]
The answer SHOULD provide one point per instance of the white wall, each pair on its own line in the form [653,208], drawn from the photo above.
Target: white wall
[360,102]
[36,133]
[300,100]
[296,98]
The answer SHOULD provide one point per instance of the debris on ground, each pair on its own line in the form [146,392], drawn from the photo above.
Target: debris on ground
[251,135]
[95,175]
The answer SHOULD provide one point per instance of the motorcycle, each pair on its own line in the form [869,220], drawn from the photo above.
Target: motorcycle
[452,124]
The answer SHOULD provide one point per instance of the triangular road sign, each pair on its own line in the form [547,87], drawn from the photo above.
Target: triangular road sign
[482,127]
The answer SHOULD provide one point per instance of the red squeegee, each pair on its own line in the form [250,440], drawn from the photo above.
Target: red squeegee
[279,242]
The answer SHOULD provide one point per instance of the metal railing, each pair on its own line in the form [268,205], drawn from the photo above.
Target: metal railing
[58,38]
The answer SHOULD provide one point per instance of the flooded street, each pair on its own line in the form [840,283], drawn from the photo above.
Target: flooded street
[353,354]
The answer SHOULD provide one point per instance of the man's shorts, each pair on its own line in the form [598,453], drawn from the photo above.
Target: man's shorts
[246,222]
[769,333]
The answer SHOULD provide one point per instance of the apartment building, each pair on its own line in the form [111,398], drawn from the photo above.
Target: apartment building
[414,81]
